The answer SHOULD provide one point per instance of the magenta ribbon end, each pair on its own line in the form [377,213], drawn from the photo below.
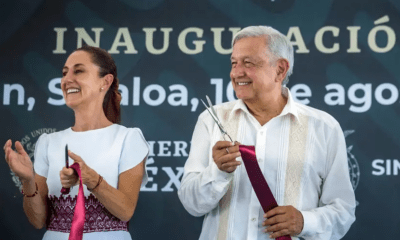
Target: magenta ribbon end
[79,215]
[257,179]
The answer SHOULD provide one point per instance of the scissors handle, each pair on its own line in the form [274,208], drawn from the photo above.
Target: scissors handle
[225,134]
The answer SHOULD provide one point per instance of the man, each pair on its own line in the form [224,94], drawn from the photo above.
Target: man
[301,152]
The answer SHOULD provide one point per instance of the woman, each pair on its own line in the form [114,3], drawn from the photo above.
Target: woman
[111,157]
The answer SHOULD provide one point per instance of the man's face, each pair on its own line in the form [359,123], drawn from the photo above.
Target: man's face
[253,78]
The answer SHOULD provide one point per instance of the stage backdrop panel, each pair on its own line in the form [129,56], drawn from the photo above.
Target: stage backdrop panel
[170,54]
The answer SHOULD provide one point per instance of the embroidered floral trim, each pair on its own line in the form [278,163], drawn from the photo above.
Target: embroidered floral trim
[98,218]
[231,122]
[296,159]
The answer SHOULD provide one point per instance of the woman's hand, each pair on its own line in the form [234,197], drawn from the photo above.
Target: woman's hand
[68,177]
[19,162]
[89,176]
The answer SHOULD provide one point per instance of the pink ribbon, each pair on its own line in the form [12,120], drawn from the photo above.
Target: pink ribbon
[79,215]
[260,185]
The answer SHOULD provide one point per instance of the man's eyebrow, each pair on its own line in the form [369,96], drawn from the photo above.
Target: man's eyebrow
[242,57]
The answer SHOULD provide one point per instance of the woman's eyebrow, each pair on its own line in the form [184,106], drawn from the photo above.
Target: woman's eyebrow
[76,65]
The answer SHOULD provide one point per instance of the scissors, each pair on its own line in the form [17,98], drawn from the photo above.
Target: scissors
[215,117]
[66,156]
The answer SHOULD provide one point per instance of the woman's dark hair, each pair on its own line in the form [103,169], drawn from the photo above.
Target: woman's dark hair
[112,99]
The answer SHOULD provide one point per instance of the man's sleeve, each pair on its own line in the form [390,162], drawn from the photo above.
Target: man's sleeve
[336,211]
[203,184]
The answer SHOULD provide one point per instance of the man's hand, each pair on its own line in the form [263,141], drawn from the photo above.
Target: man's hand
[284,220]
[224,154]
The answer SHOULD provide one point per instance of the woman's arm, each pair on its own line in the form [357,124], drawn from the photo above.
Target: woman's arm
[35,207]
[122,202]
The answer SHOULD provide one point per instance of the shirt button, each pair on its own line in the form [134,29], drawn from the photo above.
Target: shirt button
[253,219]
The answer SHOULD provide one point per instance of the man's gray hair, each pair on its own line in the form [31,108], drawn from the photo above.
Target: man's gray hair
[278,45]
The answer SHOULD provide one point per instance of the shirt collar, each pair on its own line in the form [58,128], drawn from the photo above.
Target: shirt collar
[290,107]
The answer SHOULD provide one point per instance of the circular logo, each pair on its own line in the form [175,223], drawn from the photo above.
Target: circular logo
[29,143]
[354,168]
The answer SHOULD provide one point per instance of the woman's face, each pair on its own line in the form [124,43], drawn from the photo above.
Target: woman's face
[81,84]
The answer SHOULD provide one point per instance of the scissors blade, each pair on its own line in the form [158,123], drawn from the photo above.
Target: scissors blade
[212,115]
[211,106]
[209,111]
[204,104]
[66,156]
[215,117]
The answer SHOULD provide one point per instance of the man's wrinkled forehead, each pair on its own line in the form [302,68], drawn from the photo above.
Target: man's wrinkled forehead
[249,49]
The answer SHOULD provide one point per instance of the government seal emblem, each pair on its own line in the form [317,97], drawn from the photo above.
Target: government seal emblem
[354,168]
[29,143]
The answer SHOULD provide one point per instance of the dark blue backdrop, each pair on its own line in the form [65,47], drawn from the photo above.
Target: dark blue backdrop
[172,53]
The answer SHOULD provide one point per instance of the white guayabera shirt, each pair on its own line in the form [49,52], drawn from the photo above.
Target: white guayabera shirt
[302,154]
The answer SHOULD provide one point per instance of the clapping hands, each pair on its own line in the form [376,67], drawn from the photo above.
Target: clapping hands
[19,161]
